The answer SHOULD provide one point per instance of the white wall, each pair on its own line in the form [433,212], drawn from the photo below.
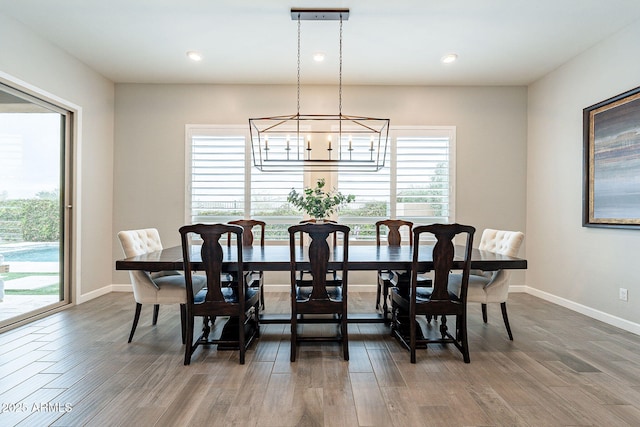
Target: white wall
[582,268]
[150,133]
[30,59]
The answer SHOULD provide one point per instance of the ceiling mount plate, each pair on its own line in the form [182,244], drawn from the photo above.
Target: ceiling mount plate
[319,14]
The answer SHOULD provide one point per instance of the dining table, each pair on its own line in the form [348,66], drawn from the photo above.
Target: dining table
[361,257]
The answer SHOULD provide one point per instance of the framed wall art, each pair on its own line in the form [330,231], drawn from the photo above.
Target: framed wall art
[611,193]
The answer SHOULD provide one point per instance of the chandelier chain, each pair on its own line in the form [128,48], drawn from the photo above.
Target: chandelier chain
[298,64]
[340,81]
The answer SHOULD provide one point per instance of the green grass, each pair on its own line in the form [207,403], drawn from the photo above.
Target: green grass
[53,289]
[10,276]
[47,290]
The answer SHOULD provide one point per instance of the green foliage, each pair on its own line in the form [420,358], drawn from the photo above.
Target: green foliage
[48,195]
[221,213]
[317,202]
[38,219]
[41,221]
[369,209]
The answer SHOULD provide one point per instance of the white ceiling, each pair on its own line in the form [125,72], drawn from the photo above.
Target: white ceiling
[499,42]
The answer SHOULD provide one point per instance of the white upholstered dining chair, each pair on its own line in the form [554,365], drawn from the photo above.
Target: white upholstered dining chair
[163,287]
[492,286]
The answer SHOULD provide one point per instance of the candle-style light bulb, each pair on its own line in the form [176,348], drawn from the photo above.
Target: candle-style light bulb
[329,142]
[308,142]
[288,139]
[350,142]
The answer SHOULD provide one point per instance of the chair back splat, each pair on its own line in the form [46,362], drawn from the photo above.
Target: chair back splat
[248,235]
[254,278]
[394,238]
[321,293]
[438,300]
[220,298]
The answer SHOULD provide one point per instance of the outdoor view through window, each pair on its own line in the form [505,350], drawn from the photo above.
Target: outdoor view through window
[31,144]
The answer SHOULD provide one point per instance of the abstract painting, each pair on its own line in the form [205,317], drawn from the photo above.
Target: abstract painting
[612,162]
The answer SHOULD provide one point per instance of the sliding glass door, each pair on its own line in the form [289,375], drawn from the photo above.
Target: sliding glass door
[34,217]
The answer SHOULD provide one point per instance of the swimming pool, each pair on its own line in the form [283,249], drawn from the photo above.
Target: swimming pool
[48,253]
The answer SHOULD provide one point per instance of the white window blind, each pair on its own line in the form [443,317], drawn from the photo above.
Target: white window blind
[372,202]
[223,186]
[217,178]
[423,179]
[416,183]
[269,191]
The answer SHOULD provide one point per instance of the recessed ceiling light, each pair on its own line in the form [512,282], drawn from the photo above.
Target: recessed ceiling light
[449,58]
[318,56]
[194,56]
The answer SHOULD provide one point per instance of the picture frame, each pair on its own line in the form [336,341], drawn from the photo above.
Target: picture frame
[611,187]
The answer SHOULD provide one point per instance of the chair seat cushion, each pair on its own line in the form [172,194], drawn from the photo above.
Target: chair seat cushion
[230,294]
[423,295]
[254,278]
[476,290]
[171,289]
[303,293]
[385,275]
[404,277]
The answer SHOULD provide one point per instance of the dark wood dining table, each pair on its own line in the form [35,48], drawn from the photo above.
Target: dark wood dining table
[276,258]
[361,257]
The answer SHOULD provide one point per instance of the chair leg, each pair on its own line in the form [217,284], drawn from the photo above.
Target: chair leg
[385,306]
[345,338]
[484,313]
[503,307]
[188,348]
[183,321]
[156,310]
[378,296]
[412,337]
[294,336]
[464,343]
[241,320]
[136,317]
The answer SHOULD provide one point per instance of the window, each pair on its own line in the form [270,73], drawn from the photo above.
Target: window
[224,186]
[36,146]
[416,183]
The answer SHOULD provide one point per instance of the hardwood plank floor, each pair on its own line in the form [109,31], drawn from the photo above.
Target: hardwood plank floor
[75,368]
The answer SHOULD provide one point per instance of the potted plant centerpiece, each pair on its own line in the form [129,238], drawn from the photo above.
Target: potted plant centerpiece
[317,202]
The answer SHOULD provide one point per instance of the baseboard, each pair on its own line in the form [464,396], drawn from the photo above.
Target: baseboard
[583,309]
[518,289]
[94,294]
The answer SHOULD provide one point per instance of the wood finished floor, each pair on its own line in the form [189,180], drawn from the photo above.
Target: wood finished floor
[562,369]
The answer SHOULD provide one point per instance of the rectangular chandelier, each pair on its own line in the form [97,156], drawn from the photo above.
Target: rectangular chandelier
[319,142]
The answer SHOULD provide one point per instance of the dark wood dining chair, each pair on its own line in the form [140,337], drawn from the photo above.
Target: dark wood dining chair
[319,295]
[406,304]
[394,238]
[254,278]
[238,301]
